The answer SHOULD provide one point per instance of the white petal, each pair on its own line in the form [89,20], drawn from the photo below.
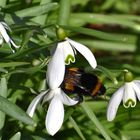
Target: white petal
[56,68]
[55,115]
[67,100]
[136,87]
[1,39]
[114,104]
[11,41]
[48,96]
[85,52]
[129,97]
[68,52]
[137,81]
[6,26]
[4,33]
[34,103]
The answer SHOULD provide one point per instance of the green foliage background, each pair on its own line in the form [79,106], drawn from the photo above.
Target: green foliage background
[110,28]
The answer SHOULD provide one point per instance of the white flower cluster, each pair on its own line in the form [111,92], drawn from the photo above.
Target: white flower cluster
[63,55]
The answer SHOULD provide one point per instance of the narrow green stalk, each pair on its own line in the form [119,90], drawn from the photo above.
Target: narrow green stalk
[94,119]
[77,128]
[42,18]
[100,34]
[64,12]
[108,73]
[3,93]
[109,19]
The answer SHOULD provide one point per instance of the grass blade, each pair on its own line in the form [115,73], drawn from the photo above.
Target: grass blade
[3,93]
[77,128]
[14,111]
[17,136]
[13,64]
[64,12]
[99,34]
[37,10]
[94,119]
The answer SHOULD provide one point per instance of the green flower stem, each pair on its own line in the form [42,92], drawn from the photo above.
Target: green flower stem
[105,19]
[64,12]
[102,35]
[3,93]
[108,73]
[94,119]
[77,128]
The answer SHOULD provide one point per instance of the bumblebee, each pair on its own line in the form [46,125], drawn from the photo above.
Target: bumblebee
[77,81]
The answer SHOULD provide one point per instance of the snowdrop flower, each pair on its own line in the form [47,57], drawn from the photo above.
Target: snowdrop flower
[127,93]
[5,36]
[70,51]
[56,96]
[70,47]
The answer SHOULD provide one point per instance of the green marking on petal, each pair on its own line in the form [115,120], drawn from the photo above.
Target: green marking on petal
[129,103]
[69,59]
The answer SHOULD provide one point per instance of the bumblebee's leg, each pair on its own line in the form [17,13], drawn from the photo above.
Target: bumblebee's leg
[79,98]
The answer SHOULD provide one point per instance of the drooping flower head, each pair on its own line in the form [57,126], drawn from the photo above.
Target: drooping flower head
[69,48]
[126,93]
[4,35]
[63,55]
[56,96]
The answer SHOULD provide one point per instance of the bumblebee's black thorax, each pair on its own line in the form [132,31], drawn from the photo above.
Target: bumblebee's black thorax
[78,81]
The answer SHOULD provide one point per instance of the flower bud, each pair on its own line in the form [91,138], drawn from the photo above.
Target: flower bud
[36,62]
[128,76]
[61,34]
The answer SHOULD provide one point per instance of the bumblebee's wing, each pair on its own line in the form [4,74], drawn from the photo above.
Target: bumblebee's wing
[71,81]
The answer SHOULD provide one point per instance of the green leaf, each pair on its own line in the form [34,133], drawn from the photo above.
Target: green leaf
[37,10]
[108,73]
[3,70]
[13,64]
[102,35]
[17,136]
[68,113]
[77,128]
[64,12]
[132,125]
[14,111]
[103,19]
[3,93]
[3,87]
[94,119]
[28,51]
[133,134]
[42,18]
[107,4]
[32,69]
